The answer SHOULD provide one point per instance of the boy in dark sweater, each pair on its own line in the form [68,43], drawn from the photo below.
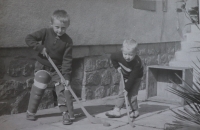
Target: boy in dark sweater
[129,64]
[58,45]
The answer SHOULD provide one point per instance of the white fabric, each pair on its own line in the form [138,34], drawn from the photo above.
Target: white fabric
[30,113]
[44,71]
[39,85]
[115,112]
[125,68]
[61,104]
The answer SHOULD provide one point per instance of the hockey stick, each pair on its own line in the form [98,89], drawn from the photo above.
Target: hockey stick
[90,118]
[126,102]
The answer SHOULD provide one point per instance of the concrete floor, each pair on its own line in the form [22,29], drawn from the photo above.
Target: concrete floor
[153,116]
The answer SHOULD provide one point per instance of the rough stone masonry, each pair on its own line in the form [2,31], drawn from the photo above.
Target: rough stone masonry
[93,75]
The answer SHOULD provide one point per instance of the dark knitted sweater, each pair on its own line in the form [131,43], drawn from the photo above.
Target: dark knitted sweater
[58,48]
[131,70]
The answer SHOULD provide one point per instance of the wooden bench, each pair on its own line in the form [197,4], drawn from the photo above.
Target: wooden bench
[158,80]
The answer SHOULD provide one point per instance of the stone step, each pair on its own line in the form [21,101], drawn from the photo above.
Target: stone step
[189,53]
[195,29]
[192,36]
[190,46]
[184,63]
[187,56]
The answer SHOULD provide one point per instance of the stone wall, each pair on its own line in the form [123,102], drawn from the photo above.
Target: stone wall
[100,78]
[93,75]
[16,79]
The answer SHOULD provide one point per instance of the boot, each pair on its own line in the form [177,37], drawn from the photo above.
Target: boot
[41,79]
[35,97]
[69,104]
[66,119]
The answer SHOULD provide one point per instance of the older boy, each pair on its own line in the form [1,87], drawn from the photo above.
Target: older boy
[58,45]
[129,64]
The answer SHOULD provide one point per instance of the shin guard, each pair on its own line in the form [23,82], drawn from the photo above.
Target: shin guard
[42,78]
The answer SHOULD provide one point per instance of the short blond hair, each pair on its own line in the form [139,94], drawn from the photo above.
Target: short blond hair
[130,45]
[60,15]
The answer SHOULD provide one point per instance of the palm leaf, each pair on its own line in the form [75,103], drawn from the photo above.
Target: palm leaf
[188,117]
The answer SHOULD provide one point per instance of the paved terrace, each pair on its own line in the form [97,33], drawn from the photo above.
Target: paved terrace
[153,116]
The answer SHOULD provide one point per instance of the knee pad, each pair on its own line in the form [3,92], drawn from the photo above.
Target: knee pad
[41,80]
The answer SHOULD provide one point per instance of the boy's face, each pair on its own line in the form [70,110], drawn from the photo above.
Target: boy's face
[128,55]
[59,27]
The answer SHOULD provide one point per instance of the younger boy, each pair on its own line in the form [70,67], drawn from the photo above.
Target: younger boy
[129,64]
[58,45]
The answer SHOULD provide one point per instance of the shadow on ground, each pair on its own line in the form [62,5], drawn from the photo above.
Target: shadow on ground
[79,115]
[146,108]
[94,110]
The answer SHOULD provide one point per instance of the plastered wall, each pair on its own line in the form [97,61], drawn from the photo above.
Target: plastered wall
[93,22]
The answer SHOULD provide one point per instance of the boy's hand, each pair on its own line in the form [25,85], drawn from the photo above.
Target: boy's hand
[66,82]
[119,69]
[44,52]
[124,91]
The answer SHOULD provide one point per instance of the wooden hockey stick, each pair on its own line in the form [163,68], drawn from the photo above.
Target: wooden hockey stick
[90,118]
[126,102]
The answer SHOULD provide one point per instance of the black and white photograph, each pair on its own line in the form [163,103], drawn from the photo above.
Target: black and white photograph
[99,65]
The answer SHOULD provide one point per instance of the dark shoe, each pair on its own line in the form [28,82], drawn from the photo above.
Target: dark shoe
[66,119]
[30,117]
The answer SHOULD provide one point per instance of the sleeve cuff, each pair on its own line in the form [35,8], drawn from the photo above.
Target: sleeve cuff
[40,48]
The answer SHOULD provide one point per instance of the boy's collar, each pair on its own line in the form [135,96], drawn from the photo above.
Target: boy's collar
[58,37]
[133,58]
[53,31]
